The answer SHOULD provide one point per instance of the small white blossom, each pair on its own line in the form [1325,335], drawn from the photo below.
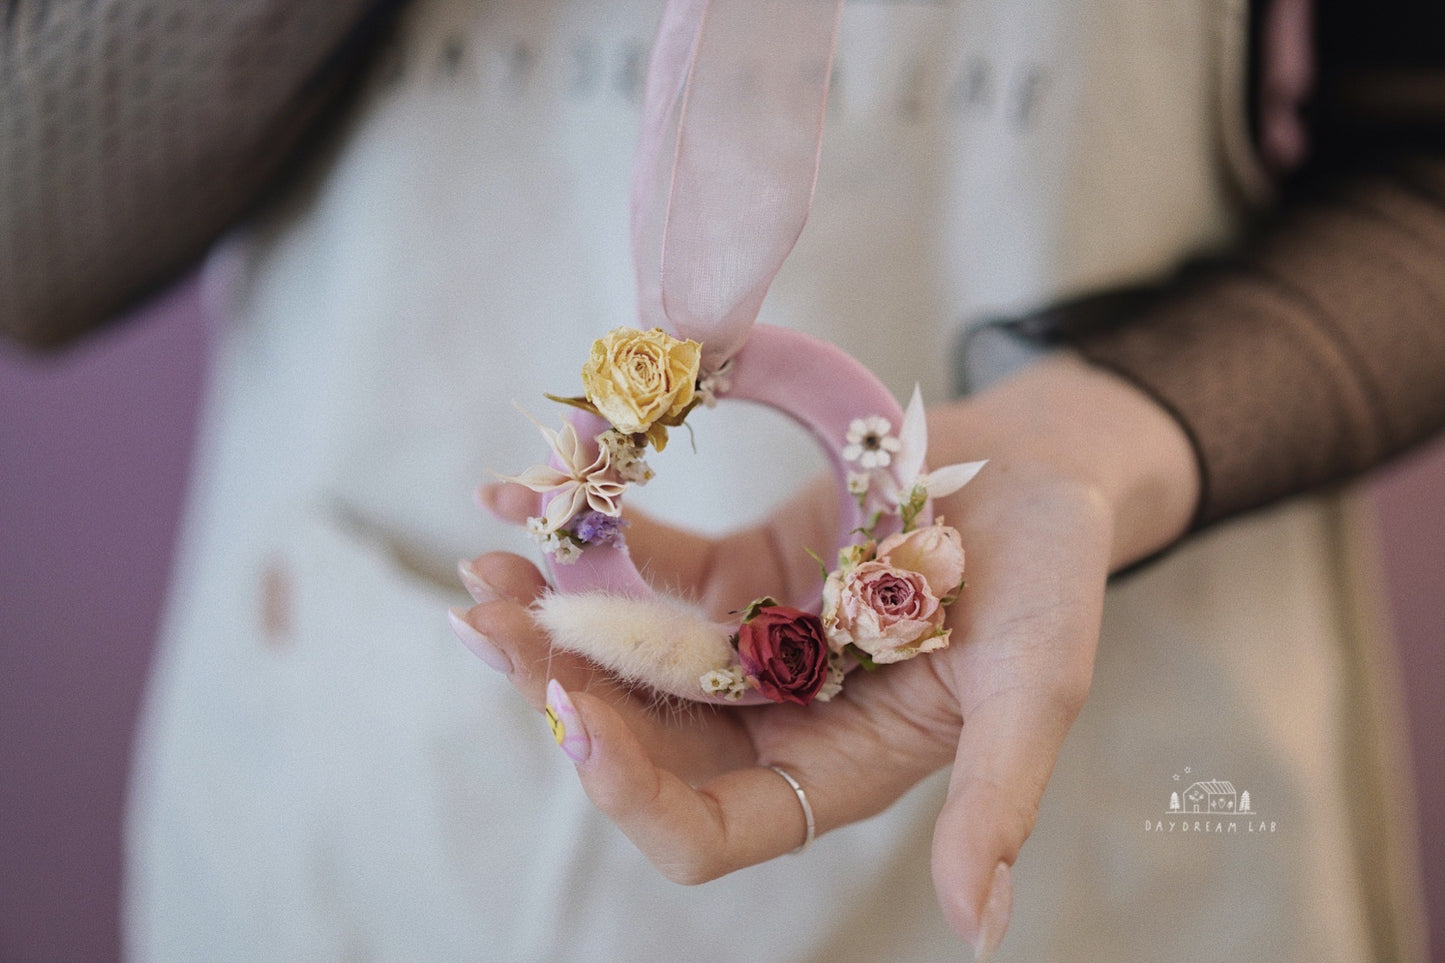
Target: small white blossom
[869,442]
[712,384]
[858,482]
[626,456]
[561,546]
[566,552]
[834,685]
[728,683]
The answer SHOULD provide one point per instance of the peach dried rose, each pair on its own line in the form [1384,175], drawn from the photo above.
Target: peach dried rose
[889,613]
[933,551]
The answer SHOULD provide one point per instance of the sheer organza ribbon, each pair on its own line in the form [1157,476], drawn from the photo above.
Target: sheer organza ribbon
[722,185]
[728,159]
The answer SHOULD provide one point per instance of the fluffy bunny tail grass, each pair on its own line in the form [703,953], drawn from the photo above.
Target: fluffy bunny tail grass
[661,642]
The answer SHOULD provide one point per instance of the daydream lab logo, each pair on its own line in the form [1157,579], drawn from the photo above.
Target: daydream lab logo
[1209,806]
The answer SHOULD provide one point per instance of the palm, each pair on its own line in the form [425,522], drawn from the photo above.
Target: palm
[1017,671]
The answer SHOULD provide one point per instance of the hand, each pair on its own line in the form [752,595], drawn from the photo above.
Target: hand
[1042,528]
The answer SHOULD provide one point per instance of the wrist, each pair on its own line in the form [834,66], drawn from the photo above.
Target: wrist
[1080,430]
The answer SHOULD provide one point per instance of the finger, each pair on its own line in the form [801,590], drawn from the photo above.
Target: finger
[1006,751]
[770,559]
[670,556]
[847,760]
[723,575]
[508,501]
[501,575]
[742,817]
[503,634]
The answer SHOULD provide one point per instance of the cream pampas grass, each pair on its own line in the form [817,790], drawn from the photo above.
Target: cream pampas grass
[662,642]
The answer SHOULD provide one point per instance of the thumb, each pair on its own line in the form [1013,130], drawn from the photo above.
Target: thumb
[1006,751]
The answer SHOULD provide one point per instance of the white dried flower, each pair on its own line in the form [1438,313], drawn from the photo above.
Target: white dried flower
[626,456]
[566,551]
[834,685]
[728,683]
[582,482]
[869,442]
[712,384]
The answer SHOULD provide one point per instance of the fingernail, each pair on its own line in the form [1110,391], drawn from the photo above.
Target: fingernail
[477,587]
[997,909]
[567,727]
[481,646]
[486,498]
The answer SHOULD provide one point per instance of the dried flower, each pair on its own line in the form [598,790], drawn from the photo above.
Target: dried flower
[626,455]
[889,613]
[728,683]
[583,480]
[933,551]
[869,443]
[642,380]
[596,528]
[909,487]
[784,654]
[834,685]
[564,551]
[712,384]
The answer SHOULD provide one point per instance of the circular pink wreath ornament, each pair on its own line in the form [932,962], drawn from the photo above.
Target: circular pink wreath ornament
[722,186]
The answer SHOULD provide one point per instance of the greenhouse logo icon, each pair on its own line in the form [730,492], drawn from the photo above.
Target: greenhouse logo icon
[1209,806]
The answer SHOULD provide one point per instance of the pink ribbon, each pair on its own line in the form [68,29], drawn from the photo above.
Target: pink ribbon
[725,171]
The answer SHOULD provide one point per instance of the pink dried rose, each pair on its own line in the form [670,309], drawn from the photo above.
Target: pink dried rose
[784,654]
[889,613]
[933,551]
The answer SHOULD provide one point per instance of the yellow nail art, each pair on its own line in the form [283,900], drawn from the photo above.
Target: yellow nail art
[554,721]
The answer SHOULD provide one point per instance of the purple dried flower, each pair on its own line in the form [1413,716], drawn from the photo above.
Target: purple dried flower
[598,528]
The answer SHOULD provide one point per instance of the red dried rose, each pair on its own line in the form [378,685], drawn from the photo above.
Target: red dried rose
[784,653]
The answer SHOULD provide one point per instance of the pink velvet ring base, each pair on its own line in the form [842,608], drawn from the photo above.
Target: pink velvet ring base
[817,385]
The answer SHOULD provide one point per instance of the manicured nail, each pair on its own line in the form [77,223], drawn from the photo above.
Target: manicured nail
[567,727]
[477,587]
[486,498]
[997,909]
[481,646]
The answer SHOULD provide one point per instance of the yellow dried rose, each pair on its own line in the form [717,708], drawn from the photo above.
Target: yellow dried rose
[642,380]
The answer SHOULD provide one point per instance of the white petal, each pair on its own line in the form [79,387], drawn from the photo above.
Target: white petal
[547,433]
[561,509]
[569,446]
[950,478]
[913,442]
[602,497]
[539,478]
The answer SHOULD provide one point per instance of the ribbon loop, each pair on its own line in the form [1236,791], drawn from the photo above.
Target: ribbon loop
[727,164]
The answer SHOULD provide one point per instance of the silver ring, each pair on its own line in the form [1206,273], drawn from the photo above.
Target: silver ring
[803,800]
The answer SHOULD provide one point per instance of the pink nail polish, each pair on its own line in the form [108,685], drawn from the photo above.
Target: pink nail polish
[477,587]
[480,646]
[486,499]
[567,727]
[997,908]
